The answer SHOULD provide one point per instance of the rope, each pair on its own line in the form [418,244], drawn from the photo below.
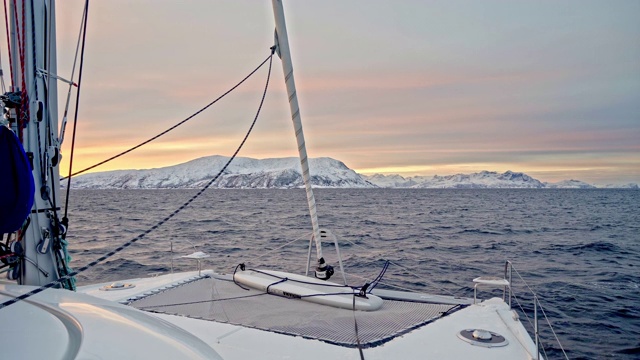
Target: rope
[73,71]
[202,301]
[304,237]
[65,219]
[233,277]
[355,323]
[376,281]
[6,23]
[4,89]
[300,281]
[412,272]
[174,126]
[42,154]
[543,313]
[20,110]
[284,279]
[276,283]
[151,229]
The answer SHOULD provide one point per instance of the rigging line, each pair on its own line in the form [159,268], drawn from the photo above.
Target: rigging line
[412,272]
[151,229]
[541,308]
[65,219]
[18,42]
[4,89]
[552,330]
[322,294]
[355,323]
[526,316]
[201,301]
[280,247]
[233,277]
[525,346]
[49,140]
[42,153]
[6,23]
[392,285]
[174,126]
[63,126]
[522,279]
[377,280]
[25,96]
[301,281]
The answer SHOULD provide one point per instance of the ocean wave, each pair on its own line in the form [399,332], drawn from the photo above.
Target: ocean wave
[582,264]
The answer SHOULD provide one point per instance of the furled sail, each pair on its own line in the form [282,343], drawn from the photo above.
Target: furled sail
[16,183]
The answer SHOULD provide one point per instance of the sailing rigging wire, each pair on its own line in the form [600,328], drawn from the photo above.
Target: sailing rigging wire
[82,31]
[41,149]
[65,219]
[174,126]
[161,222]
[411,272]
[537,303]
[21,111]
[269,252]
[6,24]
[4,89]
[201,301]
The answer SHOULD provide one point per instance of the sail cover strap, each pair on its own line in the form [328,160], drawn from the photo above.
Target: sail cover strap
[16,183]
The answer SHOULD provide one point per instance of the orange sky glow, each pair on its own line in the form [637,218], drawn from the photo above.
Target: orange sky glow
[413,88]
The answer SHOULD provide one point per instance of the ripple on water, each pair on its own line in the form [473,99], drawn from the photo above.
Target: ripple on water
[577,249]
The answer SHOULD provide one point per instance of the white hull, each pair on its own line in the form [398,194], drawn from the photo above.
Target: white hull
[101,325]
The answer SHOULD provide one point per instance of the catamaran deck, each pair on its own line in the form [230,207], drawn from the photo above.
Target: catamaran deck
[241,324]
[221,300]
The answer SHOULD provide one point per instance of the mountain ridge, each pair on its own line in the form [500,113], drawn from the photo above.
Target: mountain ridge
[285,173]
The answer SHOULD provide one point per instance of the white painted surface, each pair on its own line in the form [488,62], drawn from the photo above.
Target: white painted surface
[437,340]
[305,287]
[62,324]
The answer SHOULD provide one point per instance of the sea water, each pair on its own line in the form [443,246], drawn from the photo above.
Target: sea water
[579,250]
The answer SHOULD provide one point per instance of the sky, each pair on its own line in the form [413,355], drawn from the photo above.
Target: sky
[549,88]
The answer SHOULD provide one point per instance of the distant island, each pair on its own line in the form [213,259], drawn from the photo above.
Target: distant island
[284,173]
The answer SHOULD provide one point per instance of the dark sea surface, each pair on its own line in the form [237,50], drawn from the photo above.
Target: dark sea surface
[579,250]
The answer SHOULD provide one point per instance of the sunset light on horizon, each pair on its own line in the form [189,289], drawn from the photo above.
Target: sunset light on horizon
[548,88]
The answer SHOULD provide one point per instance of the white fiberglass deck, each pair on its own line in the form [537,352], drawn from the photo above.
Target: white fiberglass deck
[435,339]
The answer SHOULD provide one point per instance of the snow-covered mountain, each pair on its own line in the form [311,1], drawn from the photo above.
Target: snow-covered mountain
[282,173]
[391,181]
[624,186]
[569,184]
[483,179]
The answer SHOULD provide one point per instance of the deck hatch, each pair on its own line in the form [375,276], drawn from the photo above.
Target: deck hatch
[484,338]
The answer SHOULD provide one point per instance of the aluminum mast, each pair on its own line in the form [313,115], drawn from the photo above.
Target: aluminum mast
[323,271]
[34,58]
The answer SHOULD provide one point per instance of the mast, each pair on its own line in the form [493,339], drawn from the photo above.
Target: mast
[34,118]
[323,271]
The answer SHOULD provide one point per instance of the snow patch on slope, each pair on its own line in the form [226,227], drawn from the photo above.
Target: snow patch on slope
[285,173]
[282,173]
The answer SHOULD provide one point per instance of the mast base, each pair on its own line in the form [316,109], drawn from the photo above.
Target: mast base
[323,271]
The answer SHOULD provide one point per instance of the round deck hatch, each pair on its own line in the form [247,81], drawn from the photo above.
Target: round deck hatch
[117,286]
[480,337]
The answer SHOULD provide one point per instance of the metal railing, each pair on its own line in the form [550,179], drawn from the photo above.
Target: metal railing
[509,269]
